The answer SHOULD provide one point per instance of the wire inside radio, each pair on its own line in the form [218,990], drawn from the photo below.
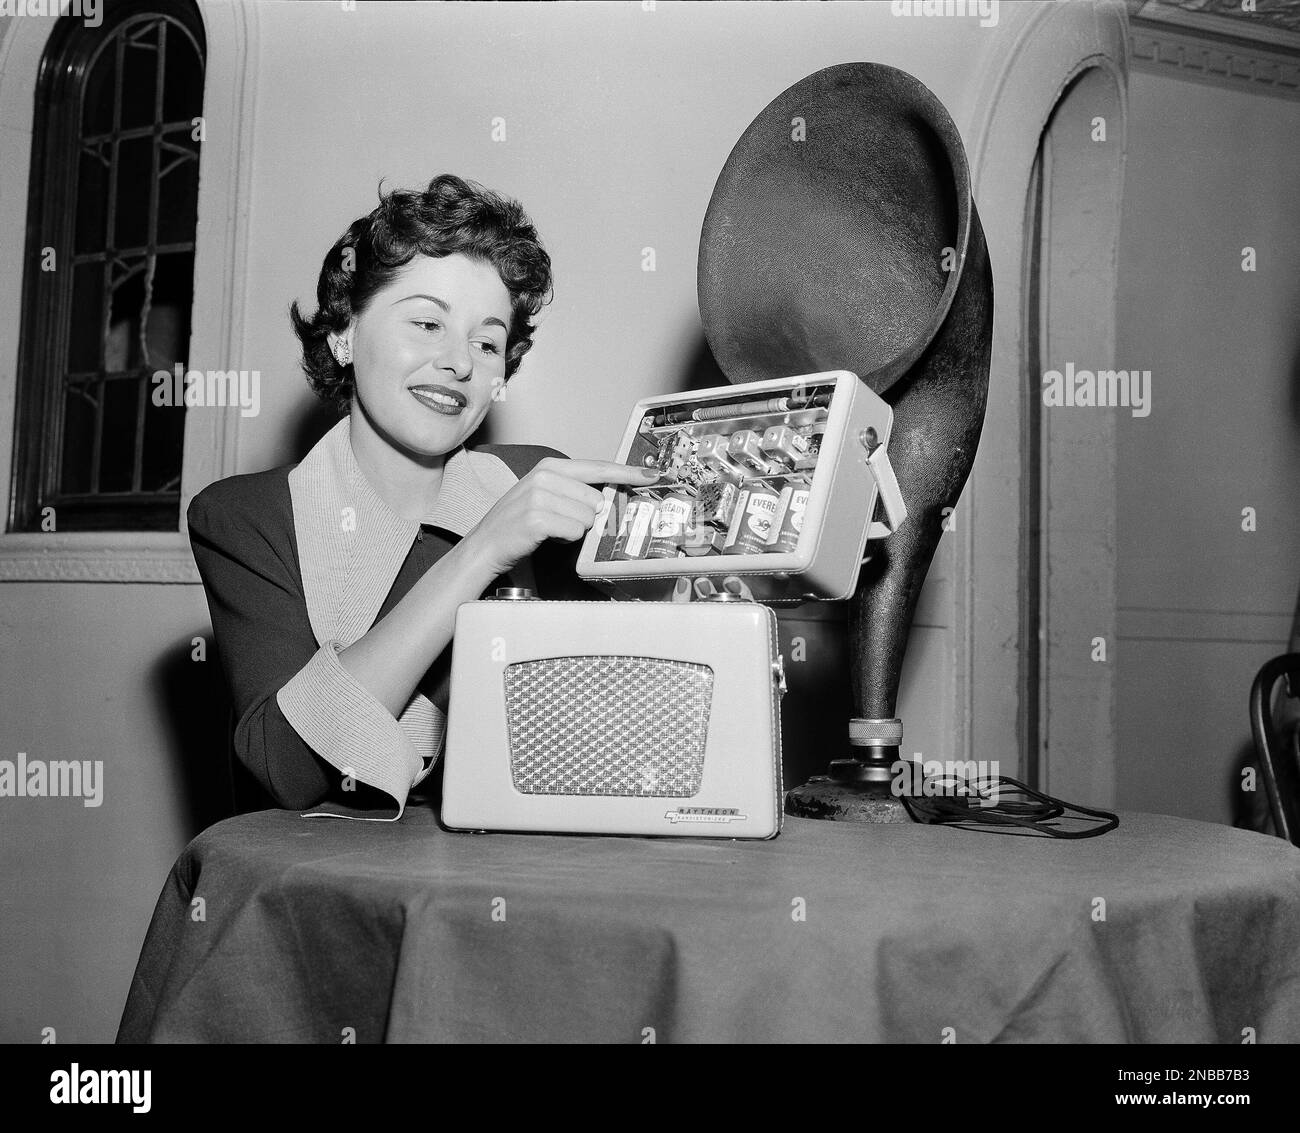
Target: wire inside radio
[736,474]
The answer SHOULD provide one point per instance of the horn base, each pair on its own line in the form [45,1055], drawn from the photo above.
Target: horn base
[824,798]
[861,788]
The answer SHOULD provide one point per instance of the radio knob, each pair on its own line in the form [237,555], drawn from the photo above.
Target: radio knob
[515,594]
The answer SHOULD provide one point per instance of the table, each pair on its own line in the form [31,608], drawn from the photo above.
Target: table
[277,928]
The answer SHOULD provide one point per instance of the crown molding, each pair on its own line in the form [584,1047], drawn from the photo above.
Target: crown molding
[1273,23]
[1219,50]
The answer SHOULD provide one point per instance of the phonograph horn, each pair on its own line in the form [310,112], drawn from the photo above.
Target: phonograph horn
[842,234]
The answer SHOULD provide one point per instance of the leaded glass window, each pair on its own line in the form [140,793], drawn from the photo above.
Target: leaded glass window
[109,271]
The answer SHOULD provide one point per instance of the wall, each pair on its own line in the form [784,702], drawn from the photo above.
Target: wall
[97,673]
[617,122]
[1203,603]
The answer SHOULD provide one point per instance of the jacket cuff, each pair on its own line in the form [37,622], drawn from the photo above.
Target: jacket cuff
[347,727]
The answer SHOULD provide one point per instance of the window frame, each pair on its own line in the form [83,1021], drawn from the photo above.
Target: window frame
[51,222]
[218,317]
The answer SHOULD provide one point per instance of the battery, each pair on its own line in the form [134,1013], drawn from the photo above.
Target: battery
[782,445]
[745,449]
[634,530]
[668,531]
[715,503]
[788,521]
[752,523]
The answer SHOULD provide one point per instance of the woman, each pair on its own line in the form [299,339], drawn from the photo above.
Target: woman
[333,585]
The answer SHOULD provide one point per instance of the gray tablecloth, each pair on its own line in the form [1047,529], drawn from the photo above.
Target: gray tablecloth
[276,928]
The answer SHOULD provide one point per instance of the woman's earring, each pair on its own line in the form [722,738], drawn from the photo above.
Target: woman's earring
[343,352]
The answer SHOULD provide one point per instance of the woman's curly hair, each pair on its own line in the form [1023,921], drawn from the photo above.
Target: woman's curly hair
[451,215]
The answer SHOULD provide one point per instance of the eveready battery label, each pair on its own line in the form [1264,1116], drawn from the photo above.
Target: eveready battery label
[798,505]
[759,510]
[671,518]
[752,523]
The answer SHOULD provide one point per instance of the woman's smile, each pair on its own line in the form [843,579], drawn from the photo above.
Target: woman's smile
[439,398]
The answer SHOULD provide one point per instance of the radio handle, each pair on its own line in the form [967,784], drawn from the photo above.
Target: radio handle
[890,494]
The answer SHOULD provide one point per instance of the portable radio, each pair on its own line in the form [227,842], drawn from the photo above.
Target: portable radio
[655,716]
[615,718]
[777,480]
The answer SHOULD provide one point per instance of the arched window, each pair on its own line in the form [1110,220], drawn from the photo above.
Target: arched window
[109,270]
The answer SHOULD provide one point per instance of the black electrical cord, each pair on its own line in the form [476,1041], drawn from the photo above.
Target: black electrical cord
[972,803]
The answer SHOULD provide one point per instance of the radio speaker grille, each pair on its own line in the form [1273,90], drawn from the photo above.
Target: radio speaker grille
[608,725]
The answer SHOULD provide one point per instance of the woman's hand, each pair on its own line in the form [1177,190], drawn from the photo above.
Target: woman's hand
[556,500]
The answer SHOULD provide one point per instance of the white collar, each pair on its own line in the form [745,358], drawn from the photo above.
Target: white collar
[351,544]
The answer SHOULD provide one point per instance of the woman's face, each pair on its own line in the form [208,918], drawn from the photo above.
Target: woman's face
[429,351]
